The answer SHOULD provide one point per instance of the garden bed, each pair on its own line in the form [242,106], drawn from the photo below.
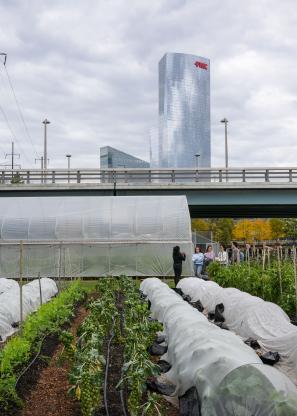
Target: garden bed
[51,377]
[116,321]
[24,356]
[116,334]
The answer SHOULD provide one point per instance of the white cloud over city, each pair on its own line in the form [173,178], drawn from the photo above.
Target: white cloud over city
[91,68]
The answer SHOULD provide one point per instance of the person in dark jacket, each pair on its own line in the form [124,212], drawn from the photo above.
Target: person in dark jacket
[178,259]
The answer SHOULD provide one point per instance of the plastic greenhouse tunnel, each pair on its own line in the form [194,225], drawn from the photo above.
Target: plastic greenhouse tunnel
[94,236]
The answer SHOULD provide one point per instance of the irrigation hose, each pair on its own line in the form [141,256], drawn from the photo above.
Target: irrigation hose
[106,370]
[122,323]
[32,362]
[123,401]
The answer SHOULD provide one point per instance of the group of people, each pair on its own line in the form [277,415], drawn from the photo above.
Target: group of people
[202,260]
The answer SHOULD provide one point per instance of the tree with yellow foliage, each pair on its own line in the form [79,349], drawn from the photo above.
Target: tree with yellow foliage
[278,229]
[252,230]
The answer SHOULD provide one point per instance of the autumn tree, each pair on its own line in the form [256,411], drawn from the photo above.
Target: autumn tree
[243,230]
[199,224]
[277,228]
[290,227]
[252,230]
[223,230]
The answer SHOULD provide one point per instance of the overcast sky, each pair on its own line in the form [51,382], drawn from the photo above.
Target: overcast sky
[91,68]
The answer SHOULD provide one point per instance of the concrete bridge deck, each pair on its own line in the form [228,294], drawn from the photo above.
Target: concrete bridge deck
[205,199]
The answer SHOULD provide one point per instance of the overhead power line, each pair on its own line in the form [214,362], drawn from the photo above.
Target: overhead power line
[18,106]
[5,57]
[9,125]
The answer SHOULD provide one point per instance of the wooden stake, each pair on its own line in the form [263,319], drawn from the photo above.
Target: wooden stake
[21,284]
[40,291]
[295,275]
[263,258]
[60,266]
[279,271]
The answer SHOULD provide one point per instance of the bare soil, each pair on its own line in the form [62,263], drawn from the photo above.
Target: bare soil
[44,387]
[49,396]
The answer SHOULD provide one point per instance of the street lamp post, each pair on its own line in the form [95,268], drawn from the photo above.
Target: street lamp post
[225,121]
[68,160]
[45,122]
[197,155]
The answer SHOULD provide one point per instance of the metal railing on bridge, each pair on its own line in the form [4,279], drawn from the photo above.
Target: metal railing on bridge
[147,176]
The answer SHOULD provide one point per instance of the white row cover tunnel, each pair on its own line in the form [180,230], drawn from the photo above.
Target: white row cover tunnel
[229,376]
[10,293]
[249,317]
[94,236]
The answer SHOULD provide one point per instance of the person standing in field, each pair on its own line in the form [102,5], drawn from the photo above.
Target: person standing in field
[222,256]
[178,259]
[198,260]
[209,255]
[235,253]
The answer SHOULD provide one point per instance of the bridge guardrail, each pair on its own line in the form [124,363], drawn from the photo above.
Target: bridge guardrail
[147,176]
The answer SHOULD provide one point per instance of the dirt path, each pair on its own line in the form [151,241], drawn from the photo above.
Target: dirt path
[49,397]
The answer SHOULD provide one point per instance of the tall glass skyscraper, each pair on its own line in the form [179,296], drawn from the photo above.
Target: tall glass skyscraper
[184,111]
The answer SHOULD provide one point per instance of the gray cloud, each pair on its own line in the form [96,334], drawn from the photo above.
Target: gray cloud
[91,68]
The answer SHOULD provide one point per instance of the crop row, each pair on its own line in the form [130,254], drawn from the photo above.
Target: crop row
[19,350]
[228,376]
[118,319]
[261,324]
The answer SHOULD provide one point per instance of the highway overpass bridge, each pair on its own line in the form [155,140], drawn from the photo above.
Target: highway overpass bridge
[248,192]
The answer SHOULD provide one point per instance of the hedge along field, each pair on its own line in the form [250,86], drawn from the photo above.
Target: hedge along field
[21,349]
[275,282]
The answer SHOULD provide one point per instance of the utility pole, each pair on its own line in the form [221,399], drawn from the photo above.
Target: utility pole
[45,122]
[41,162]
[12,154]
[41,167]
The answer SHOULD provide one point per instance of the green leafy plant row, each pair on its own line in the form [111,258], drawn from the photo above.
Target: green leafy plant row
[130,326]
[139,335]
[86,354]
[276,283]
[18,351]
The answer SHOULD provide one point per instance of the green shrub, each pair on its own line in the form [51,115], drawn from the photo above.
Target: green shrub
[271,284]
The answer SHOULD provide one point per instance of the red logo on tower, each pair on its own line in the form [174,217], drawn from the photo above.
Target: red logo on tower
[201,65]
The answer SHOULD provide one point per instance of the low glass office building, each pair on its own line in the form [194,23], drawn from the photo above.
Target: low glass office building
[114,158]
[93,236]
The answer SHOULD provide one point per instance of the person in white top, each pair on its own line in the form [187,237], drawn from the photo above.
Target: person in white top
[222,257]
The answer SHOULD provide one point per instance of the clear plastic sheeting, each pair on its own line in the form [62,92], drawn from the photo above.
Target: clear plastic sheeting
[228,375]
[108,218]
[10,303]
[251,317]
[94,236]
[7,284]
